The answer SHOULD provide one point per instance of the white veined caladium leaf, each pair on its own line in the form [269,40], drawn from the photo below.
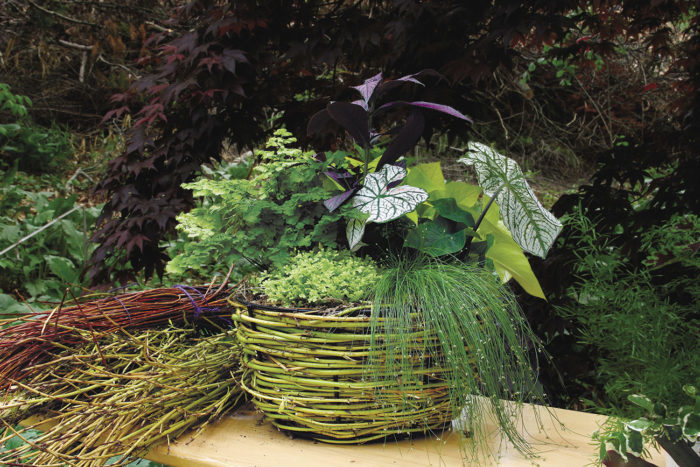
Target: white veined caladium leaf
[532,226]
[354,233]
[384,204]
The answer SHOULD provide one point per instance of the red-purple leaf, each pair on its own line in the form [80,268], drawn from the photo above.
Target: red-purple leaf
[407,138]
[335,202]
[137,240]
[413,78]
[157,88]
[185,43]
[230,57]
[353,118]
[361,103]
[367,88]
[210,62]
[115,113]
[340,177]
[428,105]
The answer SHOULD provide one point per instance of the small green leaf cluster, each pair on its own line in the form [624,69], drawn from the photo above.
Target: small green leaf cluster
[34,147]
[321,276]
[260,221]
[44,265]
[565,68]
[658,424]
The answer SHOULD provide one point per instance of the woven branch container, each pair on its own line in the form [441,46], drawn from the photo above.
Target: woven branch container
[308,372]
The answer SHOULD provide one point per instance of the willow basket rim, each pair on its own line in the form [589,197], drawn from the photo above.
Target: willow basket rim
[237,301]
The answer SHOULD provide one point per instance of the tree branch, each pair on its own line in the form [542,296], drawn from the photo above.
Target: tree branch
[59,15]
[73,45]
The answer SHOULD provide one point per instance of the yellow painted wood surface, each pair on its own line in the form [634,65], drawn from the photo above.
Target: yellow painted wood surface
[242,439]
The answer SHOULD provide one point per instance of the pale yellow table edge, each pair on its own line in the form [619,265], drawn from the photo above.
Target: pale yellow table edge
[240,439]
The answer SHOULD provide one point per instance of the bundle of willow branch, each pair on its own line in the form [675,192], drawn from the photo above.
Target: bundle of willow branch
[122,395]
[27,340]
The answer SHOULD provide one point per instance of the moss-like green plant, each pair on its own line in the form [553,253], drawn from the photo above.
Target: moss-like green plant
[485,341]
[321,276]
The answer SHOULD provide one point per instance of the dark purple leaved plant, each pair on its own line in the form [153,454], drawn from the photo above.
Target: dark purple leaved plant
[356,118]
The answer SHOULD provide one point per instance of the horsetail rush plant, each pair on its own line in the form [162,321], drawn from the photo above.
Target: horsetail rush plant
[485,342]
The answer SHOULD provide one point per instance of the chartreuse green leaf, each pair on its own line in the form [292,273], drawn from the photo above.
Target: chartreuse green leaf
[422,211]
[426,176]
[384,204]
[532,226]
[449,209]
[508,258]
[464,193]
[429,177]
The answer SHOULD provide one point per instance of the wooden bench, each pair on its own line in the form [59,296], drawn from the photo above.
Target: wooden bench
[241,439]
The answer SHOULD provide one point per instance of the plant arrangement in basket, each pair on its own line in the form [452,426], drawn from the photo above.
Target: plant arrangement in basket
[420,329]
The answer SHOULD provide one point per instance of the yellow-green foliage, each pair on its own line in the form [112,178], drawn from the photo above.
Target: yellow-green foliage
[321,276]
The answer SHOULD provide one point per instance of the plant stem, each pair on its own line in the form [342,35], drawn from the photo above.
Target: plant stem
[467,248]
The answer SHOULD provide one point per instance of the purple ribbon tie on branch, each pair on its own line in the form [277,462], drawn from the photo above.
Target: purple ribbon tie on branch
[197,309]
[125,308]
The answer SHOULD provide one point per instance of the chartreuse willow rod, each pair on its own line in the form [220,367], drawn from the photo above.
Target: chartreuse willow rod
[155,385]
[27,340]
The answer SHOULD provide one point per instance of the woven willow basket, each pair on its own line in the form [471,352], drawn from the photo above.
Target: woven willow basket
[307,371]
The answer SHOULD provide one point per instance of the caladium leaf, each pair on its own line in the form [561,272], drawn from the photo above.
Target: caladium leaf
[532,226]
[353,118]
[354,232]
[383,203]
